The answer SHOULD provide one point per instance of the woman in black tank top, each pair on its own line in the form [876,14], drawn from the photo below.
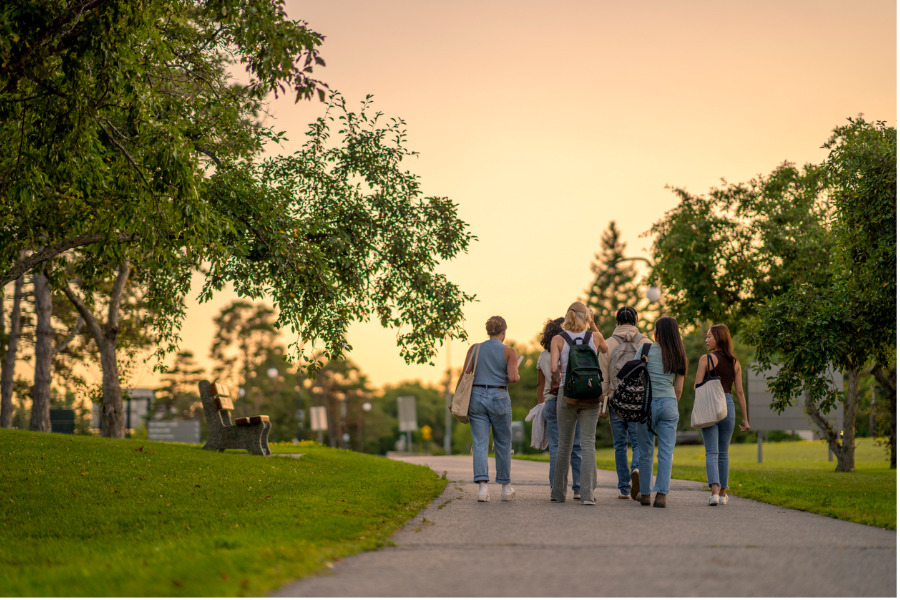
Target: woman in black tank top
[717,438]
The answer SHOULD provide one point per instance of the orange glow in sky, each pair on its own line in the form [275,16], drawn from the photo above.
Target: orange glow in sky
[544,121]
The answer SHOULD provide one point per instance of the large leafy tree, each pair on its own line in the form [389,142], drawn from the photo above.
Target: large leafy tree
[804,261]
[127,142]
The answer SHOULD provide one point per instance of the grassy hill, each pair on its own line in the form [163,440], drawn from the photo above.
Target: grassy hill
[88,516]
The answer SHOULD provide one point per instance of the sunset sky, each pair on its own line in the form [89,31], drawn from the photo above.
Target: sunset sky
[544,121]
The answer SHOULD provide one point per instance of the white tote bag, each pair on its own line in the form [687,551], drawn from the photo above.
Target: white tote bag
[709,400]
[459,405]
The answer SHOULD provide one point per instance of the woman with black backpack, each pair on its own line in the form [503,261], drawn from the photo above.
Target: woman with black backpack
[666,365]
[580,340]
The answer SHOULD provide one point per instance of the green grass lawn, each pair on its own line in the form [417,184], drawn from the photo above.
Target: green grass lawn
[797,475]
[88,516]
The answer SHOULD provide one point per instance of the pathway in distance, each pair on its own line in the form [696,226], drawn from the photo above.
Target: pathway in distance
[532,547]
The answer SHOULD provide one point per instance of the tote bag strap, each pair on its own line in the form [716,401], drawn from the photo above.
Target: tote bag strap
[474,360]
[709,365]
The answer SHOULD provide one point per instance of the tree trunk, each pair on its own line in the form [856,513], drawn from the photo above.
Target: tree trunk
[112,410]
[7,371]
[112,413]
[846,462]
[43,354]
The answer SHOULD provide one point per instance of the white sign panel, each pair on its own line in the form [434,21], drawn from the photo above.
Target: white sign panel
[187,432]
[318,418]
[794,417]
[406,411]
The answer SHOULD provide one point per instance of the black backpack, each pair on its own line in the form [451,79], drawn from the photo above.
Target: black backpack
[632,397]
[584,381]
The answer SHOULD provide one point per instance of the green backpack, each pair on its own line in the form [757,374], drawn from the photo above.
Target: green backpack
[583,377]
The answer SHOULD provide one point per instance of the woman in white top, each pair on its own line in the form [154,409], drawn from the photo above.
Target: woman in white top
[552,328]
[579,325]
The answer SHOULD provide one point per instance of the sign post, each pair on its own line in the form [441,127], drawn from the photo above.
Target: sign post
[406,412]
[318,420]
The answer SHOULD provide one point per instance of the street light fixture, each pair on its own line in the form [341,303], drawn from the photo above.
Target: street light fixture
[653,293]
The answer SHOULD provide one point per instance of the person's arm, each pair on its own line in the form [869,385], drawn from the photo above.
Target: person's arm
[512,364]
[739,392]
[602,347]
[555,349]
[540,386]
[678,383]
[703,367]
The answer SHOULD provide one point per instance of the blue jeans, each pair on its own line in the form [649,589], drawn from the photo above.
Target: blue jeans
[717,438]
[623,432]
[489,410]
[553,443]
[664,420]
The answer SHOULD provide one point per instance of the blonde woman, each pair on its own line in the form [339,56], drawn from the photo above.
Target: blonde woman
[490,410]
[578,327]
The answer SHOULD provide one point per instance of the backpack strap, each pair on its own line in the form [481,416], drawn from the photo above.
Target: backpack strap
[645,350]
[571,341]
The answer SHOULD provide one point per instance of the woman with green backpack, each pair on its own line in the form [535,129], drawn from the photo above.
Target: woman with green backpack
[574,354]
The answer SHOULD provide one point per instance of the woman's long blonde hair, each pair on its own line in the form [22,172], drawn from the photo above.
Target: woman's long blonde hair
[577,317]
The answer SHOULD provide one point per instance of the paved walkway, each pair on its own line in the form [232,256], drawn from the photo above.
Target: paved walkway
[530,547]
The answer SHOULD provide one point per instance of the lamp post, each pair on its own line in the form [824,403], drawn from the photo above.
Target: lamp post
[366,407]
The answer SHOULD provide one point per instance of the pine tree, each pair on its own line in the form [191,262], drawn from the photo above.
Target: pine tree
[616,286]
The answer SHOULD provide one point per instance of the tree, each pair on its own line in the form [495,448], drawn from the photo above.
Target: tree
[616,284]
[850,323]
[243,336]
[127,139]
[794,258]
[7,372]
[341,387]
[179,397]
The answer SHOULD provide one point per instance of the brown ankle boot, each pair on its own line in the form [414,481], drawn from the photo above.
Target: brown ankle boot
[659,501]
[645,499]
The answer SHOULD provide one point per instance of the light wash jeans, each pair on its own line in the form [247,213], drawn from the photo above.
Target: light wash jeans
[489,410]
[663,420]
[569,417]
[623,432]
[717,438]
[553,443]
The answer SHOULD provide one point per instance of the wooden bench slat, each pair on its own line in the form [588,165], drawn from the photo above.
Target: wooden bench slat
[221,394]
[242,421]
[259,419]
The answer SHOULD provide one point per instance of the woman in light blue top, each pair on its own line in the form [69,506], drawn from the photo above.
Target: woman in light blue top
[489,407]
[666,364]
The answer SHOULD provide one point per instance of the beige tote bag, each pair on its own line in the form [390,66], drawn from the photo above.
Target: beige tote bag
[709,400]
[459,405]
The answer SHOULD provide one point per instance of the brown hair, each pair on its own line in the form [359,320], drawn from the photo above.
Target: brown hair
[551,328]
[722,336]
[674,357]
[495,326]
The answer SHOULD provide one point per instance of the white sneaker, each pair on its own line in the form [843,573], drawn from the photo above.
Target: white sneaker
[723,499]
[483,494]
[506,492]
[587,502]
[714,500]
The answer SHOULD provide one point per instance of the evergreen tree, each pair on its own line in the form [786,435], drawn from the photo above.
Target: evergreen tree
[616,285]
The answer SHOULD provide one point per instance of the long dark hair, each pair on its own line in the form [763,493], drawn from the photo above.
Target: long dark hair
[722,336]
[551,328]
[674,357]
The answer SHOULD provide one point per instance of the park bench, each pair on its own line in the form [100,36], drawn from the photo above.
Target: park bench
[246,433]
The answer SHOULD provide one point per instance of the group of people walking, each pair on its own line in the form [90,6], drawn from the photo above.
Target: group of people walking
[570,425]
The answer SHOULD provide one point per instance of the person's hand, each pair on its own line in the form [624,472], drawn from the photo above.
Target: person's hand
[745,426]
